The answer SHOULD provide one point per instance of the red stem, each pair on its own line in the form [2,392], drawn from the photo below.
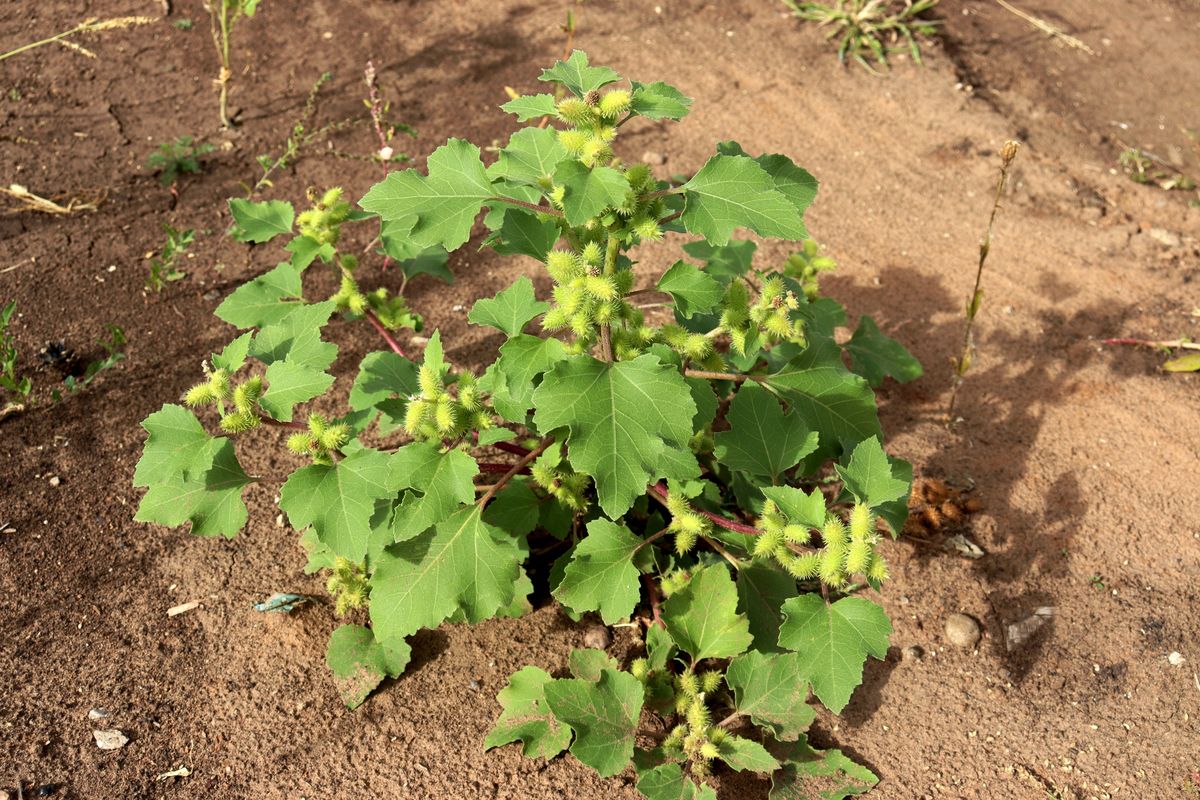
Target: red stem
[279,424]
[655,600]
[500,468]
[660,489]
[387,337]
[509,447]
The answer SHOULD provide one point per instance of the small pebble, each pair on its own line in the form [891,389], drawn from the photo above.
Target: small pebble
[962,631]
[111,739]
[653,158]
[597,636]
[473,685]
[1176,659]
[55,480]
[211,295]
[98,713]
[912,653]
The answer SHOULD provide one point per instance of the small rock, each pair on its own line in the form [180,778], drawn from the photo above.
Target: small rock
[418,341]
[1165,237]
[598,637]
[473,685]
[211,295]
[98,714]
[111,739]
[962,631]
[4,795]
[1019,632]
[653,158]
[963,546]
[55,481]
[1176,659]
[912,653]
[458,307]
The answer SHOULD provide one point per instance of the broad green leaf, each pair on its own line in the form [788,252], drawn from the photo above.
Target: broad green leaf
[1185,363]
[260,222]
[514,509]
[577,75]
[413,259]
[660,647]
[603,714]
[177,443]
[587,664]
[629,423]
[289,384]
[693,290]
[876,356]
[762,590]
[529,157]
[702,617]
[359,663]
[444,482]
[762,439]
[796,184]
[233,356]
[208,494]
[601,576]
[297,338]
[725,262]
[833,642]
[667,782]
[803,509]
[527,718]
[659,100]
[895,512]
[442,207]
[840,777]
[868,476]
[731,192]
[524,234]
[490,436]
[706,402]
[266,300]
[510,310]
[463,564]
[745,754]
[305,251]
[382,375]
[530,106]
[587,192]
[833,401]
[769,688]
[338,500]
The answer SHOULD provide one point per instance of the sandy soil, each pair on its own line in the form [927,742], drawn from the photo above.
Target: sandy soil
[1084,457]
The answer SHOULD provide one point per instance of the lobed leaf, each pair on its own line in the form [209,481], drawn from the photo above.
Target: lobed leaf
[527,718]
[702,617]
[510,310]
[359,663]
[602,576]
[603,714]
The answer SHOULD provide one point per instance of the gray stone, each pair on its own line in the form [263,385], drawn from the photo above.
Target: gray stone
[962,631]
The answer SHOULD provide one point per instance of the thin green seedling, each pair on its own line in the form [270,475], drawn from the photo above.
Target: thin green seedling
[224,16]
[112,344]
[675,470]
[967,354]
[871,29]
[18,387]
[91,25]
[1144,167]
[174,159]
[164,267]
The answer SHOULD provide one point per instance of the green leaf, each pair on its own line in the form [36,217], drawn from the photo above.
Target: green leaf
[359,663]
[762,439]
[289,384]
[835,402]
[667,782]
[702,617]
[833,642]
[445,481]
[510,310]
[762,590]
[530,106]
[523,233]
[297,338]
[529,157]
[514,509]
[208,493]
[629,423]
[731,192]
[233,356]
[577,75]
[601,576]
[587,192]
[1185,363]
[511,379]
[868,476]
[527,718]
[441,207]
[587,664]
[876,356]
[260,222]
[726,262]
[802,762]
[603,714]
[769,688]
[268,299]
[463,564]
[744,754]
[177,443]
[659,100]
[412,258]
[895,512]
[338,501]
[382,375]
[803,509]
[796,184]
[694,292]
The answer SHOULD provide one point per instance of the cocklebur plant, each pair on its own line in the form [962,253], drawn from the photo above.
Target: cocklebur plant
[716,473]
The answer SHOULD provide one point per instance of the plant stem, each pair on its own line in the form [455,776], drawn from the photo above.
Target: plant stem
[729,720]
[300,426]
[387,337]
[659,490]
[722,376]
[1007,153]
[554,212]
[509,447]
[221,39]
[715,545]
[1165,344]
[493,467]
[525,461]
[655,600]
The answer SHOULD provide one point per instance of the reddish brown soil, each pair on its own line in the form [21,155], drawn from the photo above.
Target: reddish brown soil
[1085,457]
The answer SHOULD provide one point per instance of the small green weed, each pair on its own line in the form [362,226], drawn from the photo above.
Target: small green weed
[10,381]
[184,24]
[180,157]
[1144,167]
[112,344]
[164,267]
[871,29]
